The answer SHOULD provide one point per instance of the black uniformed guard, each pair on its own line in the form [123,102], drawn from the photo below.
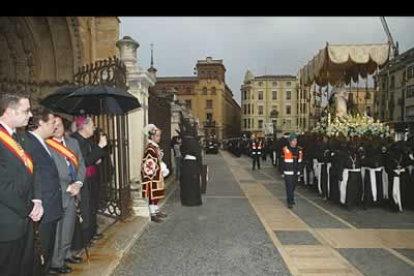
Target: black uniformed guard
[256,151]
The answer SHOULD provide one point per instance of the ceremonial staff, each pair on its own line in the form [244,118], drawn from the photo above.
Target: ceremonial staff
[37,242]
[79,215]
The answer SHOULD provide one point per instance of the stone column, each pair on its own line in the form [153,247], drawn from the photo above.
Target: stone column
[138,81]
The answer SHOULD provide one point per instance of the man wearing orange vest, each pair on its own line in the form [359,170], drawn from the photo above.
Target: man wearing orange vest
[256,150]
[292,163]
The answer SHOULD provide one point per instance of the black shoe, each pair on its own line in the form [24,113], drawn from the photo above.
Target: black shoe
[60,270]
[290,206]
[97,237]
[161,214]
[156,219]
[74,260]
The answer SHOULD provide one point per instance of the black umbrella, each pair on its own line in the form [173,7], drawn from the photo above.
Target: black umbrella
[51,100]
[96,100]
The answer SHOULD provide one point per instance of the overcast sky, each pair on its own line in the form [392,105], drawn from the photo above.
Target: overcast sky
[277,45]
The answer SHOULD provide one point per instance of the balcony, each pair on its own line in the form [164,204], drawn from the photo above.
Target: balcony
[209,123]
[274,114]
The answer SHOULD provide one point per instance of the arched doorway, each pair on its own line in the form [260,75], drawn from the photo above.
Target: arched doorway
[39,53]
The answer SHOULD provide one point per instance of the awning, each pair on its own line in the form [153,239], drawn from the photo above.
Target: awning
[338,64]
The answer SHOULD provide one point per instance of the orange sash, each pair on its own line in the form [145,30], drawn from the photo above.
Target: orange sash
[67,153]
[17,149]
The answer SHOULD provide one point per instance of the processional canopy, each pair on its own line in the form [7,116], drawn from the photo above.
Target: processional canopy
[338,64]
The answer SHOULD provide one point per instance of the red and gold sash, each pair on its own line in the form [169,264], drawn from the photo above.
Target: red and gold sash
[67,153]
[17,149]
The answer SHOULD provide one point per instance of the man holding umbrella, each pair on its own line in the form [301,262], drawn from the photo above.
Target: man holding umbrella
[92,155]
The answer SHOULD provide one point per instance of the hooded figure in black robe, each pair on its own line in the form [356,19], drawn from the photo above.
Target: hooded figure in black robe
[373,174]
[190,181]
[399,186]
[350,178]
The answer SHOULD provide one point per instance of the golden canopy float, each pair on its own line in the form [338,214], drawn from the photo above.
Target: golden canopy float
[338,64]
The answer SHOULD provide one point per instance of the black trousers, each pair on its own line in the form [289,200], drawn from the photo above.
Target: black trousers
[47,233]
[256,160]
[16,257]
[290,182]
[95,189]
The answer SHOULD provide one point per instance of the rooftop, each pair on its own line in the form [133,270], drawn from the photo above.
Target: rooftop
[210,60]
[275,77]
[176,79]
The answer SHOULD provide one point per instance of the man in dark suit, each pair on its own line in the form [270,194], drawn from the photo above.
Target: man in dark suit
[17,208]
[69,161]
[46,175]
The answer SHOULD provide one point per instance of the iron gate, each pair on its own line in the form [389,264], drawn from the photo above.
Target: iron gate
[115,196]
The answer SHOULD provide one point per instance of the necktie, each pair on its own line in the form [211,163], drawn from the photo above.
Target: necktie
[15,137]
[72,172]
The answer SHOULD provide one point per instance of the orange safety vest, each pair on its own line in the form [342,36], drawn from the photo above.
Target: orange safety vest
[288,159]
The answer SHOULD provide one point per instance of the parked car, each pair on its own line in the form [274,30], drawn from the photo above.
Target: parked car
[212,146]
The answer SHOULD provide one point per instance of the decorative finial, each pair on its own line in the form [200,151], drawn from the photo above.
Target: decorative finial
[152,54]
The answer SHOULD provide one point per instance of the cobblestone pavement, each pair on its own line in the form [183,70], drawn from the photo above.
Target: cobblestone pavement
[244,228]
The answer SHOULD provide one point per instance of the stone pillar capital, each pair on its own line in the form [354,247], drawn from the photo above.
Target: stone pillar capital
[128,49]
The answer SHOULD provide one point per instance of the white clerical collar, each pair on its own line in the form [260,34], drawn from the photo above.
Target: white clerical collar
[152,142]
[42,141]
[9,129]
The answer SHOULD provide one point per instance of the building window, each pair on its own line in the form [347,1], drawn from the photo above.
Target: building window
[410,72]
[260,95]
[203,74]
[368,110]
[288,83]
[248,123]
[252,95]
[260,124]
[209,117]
[384,83]
[410,91]
[209,104]
[245,123]
[288,110]
[252,123]
[260,109]
[274,95]
[244,95]
[248,109]
[252,109]
[409,113]
[213,91]
[188,103]
[274,83]
[260,83]
[188,90]
[288,95]
[392,84]
[274,122]
[368,96]
[204,90]
[304,108]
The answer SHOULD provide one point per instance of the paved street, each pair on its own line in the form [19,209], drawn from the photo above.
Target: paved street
[244,228]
